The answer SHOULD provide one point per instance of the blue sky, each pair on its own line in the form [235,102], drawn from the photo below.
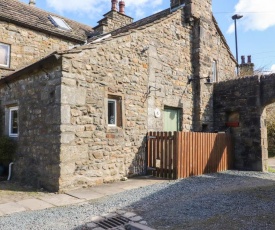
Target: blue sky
[256,30]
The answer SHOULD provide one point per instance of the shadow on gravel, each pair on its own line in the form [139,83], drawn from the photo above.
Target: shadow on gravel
[229,200]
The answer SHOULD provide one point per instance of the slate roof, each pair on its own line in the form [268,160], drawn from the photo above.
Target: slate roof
[34,18]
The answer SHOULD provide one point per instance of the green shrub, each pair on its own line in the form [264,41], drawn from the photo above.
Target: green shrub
[8,148]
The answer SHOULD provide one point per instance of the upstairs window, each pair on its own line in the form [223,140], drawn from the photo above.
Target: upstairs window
[13,122]
[4,55]
[59,22]
[114,111]
[214,71]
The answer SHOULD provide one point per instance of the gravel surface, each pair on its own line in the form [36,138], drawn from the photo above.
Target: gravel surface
[229,200]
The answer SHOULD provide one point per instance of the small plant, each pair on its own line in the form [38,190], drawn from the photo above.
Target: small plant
[8,148]
[271,170]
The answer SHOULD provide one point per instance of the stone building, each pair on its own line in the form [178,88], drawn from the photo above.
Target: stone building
[28,34]
[81,115]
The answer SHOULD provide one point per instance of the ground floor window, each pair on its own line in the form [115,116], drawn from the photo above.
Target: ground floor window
[13,122]
[4,55]
[114,111]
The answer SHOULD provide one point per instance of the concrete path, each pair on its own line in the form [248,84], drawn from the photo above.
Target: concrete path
[75,196]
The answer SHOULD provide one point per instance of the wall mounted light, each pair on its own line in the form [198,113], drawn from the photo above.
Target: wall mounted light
[191,78]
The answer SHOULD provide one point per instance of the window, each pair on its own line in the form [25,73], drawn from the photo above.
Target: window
[59,22]
[4,55]
[214,71]
[13,122]
[114,111]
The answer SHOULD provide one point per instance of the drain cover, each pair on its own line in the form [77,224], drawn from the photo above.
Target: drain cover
[113,222]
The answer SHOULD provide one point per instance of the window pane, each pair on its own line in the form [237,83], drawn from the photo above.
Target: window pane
[4,55]
[111,112]
[214,71]
[13,122]
[59,22]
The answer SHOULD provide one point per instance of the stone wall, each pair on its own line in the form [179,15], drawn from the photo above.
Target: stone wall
[148,69]
[28,46]
[37,94]
[246,97]
[158,56]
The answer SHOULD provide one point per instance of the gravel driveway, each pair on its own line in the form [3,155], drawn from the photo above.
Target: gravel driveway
[229,200]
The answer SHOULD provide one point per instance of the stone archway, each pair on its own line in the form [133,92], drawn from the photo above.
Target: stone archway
[249,97]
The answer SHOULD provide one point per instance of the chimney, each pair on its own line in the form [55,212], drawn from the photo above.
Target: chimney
[122,7]
[246,69]
[243,60]
[32,3]
[249,59]
[114,5]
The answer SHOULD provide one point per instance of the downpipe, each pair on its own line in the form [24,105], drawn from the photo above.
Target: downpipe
[9,177]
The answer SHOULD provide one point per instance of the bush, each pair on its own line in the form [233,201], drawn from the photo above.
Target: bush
[8,148]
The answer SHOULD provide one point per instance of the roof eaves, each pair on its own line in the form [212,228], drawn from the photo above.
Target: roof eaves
[15,75]
[38,28]
[223,38]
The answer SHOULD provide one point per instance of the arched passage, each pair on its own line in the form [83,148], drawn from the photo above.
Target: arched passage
[250,97]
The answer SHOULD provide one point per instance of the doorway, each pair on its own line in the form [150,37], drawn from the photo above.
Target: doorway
[172,119]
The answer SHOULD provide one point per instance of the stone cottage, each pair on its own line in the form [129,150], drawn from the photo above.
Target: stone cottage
[81,115]
[28,34]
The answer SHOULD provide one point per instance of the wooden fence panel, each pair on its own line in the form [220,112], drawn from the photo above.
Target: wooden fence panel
[183,154]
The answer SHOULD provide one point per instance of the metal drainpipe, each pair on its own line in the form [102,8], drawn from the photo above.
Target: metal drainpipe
[9,177]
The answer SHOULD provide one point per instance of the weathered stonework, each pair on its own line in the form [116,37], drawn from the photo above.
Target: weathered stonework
[148,68]
[249,97]
[38,97]
[27,45]
[112,21]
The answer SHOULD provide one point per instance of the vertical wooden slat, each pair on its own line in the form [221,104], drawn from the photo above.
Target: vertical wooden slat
[157,153]
[166,155]
[175,155]
[149,151]
[170,156]
[161,154]
[188,154]
[183,155]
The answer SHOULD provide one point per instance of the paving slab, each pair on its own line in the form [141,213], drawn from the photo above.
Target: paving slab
[60,199]
[34,204]
[109,189]
[11,207]
[86,194]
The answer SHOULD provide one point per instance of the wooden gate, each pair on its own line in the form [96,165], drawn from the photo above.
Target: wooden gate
[183,154]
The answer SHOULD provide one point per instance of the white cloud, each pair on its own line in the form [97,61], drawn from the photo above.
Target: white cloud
[272,69]
[258,14]
[134,8]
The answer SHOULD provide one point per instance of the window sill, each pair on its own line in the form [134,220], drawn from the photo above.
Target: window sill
[6,68]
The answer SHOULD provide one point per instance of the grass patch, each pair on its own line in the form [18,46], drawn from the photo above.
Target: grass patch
[271,170]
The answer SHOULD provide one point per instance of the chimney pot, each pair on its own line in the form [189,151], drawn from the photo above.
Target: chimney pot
[243,59]
[122,7]
[32,2]
[249,59]
[114,5]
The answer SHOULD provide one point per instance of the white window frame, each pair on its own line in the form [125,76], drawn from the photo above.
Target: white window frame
[214,71]
[115,104]
[11,109]
[59,23]
[8,61]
